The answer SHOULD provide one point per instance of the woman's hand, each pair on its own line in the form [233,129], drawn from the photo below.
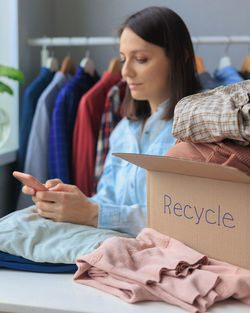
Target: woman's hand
[49,184]
[64,203]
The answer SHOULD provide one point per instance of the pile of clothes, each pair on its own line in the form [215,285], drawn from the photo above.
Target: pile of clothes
[214,126]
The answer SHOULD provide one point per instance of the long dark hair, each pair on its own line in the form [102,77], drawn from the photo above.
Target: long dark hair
[163,27]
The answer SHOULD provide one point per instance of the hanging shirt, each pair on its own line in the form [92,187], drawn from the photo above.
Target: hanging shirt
[86,132]
[207,82]
[246,75]
[62,124]
[36,161]
[31,95]
[111,116]
[121,192]
[227,75]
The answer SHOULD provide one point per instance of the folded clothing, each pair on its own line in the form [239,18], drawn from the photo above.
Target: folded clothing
[225,153]
[155,267]
[26,234]
[18,263]
[215,115]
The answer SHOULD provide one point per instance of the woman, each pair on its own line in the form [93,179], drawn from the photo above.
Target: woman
[159,68]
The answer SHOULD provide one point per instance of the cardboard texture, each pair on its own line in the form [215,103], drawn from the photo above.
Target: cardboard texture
[204,205]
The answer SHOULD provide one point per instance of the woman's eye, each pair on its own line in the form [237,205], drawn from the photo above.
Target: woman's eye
[122,61]
[141,60]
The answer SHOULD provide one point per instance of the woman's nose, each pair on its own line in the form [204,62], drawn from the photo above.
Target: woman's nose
[127,70]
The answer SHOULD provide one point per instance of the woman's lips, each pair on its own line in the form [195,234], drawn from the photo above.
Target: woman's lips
[134,85]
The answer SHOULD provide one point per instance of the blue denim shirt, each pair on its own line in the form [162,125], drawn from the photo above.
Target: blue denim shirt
[121,192]
[227,75]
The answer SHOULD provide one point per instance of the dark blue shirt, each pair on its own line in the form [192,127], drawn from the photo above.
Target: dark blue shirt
[62,124]
[30,99]
[207,82]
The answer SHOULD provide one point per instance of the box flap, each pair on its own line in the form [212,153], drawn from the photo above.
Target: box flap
[185,167]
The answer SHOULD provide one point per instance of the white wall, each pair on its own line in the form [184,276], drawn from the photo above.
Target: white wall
[202,17]
[36,19]
[8,57]
[18,21]
[8,104]
[102,18]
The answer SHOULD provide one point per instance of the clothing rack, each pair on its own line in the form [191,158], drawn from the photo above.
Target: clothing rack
[96,41]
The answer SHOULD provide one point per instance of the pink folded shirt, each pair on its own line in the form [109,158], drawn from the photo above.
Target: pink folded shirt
[226,153]
[155,267]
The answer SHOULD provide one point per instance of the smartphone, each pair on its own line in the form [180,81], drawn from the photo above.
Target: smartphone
[29,181]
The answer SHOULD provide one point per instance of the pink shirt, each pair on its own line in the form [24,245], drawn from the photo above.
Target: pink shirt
[159,268]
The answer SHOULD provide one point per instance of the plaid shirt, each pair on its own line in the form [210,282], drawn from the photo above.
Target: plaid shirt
[111,116]
[86,131]
[215,115]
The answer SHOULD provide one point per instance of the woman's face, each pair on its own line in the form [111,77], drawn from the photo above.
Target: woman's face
[145,68]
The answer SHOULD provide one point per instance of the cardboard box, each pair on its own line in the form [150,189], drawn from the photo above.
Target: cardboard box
[204,205]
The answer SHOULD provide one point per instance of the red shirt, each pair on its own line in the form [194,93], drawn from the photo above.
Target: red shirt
[86,132]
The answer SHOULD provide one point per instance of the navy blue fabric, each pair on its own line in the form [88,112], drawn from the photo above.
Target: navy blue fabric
[30,99]
[62,124]
[207,82]
[19,263]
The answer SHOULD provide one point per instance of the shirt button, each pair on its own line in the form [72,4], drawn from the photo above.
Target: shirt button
[147,132]
[118,161]
[131,185]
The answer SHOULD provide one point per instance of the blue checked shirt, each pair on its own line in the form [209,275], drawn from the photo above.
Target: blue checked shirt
[121,192]
[62,124]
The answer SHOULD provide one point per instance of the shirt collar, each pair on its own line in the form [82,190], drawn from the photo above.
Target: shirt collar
[161,108]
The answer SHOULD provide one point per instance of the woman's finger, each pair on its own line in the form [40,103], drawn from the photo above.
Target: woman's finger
[46,207]
[50,210]
[46,214]
[64,187]
[51,196]
[52,182]
[28,190]
[34,199]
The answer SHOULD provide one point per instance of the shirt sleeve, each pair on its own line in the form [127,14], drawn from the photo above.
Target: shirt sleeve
[124,218]
[113,212]
[112,215]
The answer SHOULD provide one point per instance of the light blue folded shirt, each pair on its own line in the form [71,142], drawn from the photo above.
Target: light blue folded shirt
[121,192]
[24,233]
